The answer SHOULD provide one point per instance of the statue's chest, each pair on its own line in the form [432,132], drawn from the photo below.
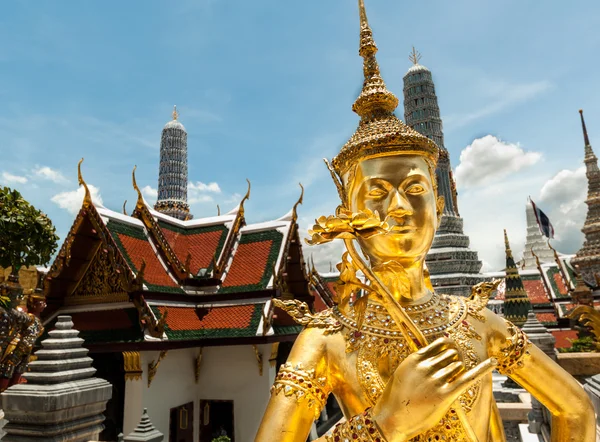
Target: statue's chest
[373,353]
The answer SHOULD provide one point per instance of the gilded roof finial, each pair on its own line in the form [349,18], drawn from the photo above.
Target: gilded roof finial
[374,97]
[175,113]
[218,210]
[140,200]
[300,201]
[414,56]
[246,197]
[585,134]
[124,208]
[87,198]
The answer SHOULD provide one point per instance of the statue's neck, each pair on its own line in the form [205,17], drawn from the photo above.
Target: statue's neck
[405,281]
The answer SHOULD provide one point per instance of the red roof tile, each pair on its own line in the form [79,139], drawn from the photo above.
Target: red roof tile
[545,318]
[248,264]
[562,288]
[563,336]
[186,318]
[139,250]
[536,291]
[202,246]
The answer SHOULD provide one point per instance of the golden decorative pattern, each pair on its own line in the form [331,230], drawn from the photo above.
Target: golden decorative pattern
[361,427]
[132,364]
[100,281]
[300,312]
[514,351]
[296,381]
[480,296]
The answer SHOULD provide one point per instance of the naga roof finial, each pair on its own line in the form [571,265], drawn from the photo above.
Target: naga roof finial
[414,56]
[175,113]
[87,199]
[140,200]
[585,134]
[246,197]
[300,201]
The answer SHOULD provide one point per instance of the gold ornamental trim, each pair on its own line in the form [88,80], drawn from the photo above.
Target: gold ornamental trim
[132,365]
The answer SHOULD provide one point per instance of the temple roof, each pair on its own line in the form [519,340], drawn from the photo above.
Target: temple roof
[177,278]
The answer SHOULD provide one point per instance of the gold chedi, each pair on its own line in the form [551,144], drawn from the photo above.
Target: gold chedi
[404,363]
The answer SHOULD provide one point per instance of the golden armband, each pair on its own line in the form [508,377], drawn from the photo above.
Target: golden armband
[302,384]
[514,351]
[361,427]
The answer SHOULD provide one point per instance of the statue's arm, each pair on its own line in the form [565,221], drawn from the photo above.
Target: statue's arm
[573,416]
[300,391]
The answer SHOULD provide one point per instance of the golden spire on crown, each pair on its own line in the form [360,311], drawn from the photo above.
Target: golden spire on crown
[380,132]
[175,113]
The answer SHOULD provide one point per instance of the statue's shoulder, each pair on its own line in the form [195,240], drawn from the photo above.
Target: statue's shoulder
[300,312]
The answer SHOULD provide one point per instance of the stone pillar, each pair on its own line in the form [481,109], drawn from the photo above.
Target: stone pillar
[539,416]
[61,400]
[145,431]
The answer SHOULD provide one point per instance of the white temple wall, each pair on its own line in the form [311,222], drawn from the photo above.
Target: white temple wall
[226,373]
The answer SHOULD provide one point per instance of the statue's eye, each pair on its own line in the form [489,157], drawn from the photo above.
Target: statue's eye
[377,192]
[415,189]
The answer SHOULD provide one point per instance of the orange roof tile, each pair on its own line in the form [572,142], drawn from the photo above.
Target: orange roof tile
[186,318]
[202,246]
[139,250]
[546,318]
[562,288]
[536,291]
[249,262]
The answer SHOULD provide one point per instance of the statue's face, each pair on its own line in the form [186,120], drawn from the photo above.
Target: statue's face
[400,188]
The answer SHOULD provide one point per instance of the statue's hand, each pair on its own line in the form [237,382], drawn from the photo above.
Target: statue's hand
[423,388]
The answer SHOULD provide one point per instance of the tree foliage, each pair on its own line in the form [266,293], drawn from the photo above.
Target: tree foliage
[27,236]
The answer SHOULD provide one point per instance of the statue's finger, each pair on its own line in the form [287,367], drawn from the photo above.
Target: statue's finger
[468,378]
[449,372]
[434,348]
[443,359]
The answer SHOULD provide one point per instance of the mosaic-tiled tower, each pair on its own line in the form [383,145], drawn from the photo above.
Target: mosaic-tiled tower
[587,259]
[453,267]
[516,301]
[535,241]
[173,171]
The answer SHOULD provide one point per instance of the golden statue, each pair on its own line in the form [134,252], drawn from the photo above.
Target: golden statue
[404,364]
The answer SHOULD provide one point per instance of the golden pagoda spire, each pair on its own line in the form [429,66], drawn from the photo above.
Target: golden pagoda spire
[507,245]
[374,99]
[175,113]
[414,56]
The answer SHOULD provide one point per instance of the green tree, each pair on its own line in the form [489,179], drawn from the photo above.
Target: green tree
[27,236]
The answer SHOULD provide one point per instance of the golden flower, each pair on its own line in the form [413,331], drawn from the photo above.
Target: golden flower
[347,225]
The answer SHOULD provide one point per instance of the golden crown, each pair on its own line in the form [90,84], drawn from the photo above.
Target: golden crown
[380,132]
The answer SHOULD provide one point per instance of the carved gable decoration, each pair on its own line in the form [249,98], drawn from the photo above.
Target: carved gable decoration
[102,281]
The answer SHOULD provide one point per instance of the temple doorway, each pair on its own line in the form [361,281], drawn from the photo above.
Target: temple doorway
[181,423]
[216,419]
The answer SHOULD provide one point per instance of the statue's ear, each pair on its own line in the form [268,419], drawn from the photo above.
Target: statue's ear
[439,205]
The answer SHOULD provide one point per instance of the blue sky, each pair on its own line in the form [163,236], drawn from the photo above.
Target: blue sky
[265,88]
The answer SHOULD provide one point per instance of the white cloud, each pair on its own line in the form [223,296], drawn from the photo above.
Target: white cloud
[197,192]
[202,187]
[46,173]
[489,159]
[9,178]
[150,193]
[562,198]
[71,201]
